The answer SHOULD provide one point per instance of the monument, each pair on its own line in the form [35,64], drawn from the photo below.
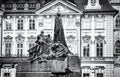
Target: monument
[50,58]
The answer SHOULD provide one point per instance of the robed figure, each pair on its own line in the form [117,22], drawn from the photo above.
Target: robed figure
[59,31]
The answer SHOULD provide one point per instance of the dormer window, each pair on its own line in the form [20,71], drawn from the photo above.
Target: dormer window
[93,2]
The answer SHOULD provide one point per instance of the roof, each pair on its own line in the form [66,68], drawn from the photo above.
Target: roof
[105,5]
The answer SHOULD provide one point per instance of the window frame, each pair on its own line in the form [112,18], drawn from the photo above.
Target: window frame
[8,74]
[117,22]
[117,47]
[31,24]
[100,75]
[8,48]
[20,47]
[99,49]
[86,53]
[86,74]
[20,24]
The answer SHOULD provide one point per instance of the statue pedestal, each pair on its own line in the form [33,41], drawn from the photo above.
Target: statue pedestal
[69,66]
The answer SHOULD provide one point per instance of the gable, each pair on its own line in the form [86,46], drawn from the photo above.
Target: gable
[59,6]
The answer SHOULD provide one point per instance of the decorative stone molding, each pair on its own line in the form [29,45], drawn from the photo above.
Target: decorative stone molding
[8,38]
[14,6]
[70,38]
[20,38]
[100,38]
[78,24]
[31,38]
[38,5]
[86,39]
[95,6]
[26,6]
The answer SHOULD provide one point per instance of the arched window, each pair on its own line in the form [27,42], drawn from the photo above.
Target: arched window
[117,22]
[117,47]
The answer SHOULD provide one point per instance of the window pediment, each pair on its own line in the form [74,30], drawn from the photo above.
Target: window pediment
[86,38]
[58,5]
[8,38]
[20,38]
[99,38]
[31,38]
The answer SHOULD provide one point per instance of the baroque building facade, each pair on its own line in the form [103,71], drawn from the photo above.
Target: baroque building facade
[88,26]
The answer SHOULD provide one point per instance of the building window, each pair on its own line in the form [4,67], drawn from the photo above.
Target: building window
[93,2]
[20,24]
[8,26]
[6,74]
[31,45]
[8,49]
[99,25]
[99,74]
[117,47]
[31,24]
[85,74]
[19,50]
[99,49]
[118,21]
[86,25]
[86,49]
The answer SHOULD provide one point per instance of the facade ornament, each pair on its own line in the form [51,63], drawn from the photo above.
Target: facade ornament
[38,5]
[14,6]
[71,38]
[100,38]
[86,38]
[20,38]
[26,6]
[8,38]
[78,24]
[31,38]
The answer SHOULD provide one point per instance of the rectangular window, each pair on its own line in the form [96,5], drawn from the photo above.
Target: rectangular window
[8,49]
[99,48]
[99,25]
[31,24]
[20,24]
[86,49]
[99,74]
[6,74]
[86,25]
[20,50]
[85,74]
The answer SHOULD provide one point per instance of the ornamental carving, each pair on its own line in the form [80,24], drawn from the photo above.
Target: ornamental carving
[8,38]
[100,38]
[20,38]
[31,38]
[86,38]
[71,38]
